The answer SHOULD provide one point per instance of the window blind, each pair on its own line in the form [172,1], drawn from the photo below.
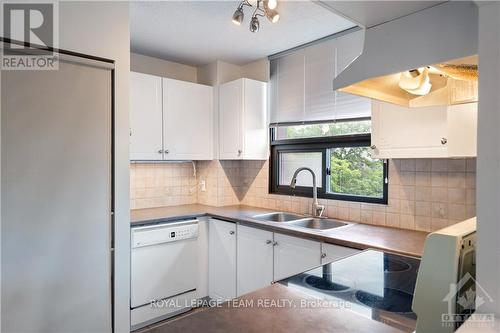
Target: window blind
[301,82]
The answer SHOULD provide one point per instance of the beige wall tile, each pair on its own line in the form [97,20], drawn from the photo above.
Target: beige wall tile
[423,223]
[471,165]
[392,220]
[423,164]
[439,179]
[470,197]
[457,165]
[439,194]
[456,195]
[407,207]
[407,192]
[456,179]
[354,214]
[407,222]
[366,216]
[470,211]
[439,164]
[423,178]
[408,165]
[343,213]
[456,212]
[440,210]
[378,218]
[423,208]
[424,194]
[407,178]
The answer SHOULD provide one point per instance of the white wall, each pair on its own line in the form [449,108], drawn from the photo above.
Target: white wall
[257,70]
[102,29]
[488,156]
[160,67]
[221,72]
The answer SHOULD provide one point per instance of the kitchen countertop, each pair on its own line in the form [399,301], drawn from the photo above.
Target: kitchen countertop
[360,236]
[292,312]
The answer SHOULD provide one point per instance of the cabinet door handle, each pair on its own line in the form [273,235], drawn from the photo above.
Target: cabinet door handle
[167,151]
[444,141]
[269,241]
[275,243]
[239,152]
[231,232]
[373,147]
[323,255]
[160,151]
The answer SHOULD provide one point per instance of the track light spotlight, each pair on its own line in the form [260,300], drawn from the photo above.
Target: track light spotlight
[254,24]
[262,8]
[272,15]
[238,16]
[272,4]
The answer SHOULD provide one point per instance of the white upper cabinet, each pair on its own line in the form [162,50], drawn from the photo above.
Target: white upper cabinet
[145,117]
[243,127]
[462,130]
[170,119]
[423,132]
[230,118]
[187,120]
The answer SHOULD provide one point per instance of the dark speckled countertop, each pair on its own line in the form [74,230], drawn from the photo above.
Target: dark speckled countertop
[359,236]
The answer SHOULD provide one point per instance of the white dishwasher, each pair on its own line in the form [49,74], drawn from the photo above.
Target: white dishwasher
[163,270]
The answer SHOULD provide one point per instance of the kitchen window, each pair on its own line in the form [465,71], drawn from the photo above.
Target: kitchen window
[338,152]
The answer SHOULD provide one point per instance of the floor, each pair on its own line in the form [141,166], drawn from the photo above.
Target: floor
[157,327]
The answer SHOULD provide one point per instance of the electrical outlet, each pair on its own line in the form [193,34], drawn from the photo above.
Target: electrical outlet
[203,185]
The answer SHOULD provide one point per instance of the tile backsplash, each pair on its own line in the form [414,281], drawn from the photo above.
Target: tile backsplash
[162,184]
[424,194]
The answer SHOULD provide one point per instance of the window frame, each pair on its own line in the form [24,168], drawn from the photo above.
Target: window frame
[320,144]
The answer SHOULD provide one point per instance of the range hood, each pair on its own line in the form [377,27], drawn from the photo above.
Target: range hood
[449,83]
[432,36]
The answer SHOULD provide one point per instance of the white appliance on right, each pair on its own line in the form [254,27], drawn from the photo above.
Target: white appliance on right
[445,289]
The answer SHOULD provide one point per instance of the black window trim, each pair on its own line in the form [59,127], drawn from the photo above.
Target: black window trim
[319,144]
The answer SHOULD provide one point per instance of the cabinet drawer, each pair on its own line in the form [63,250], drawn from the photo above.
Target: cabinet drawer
[331,252]
[293,255]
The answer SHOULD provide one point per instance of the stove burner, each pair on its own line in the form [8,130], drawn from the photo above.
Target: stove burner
[323,284]
[393,301]
[395,265]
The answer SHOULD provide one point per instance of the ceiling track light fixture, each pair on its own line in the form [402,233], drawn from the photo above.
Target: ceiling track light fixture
[263,8]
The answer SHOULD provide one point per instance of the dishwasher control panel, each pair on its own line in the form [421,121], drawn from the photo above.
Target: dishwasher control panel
[164,233]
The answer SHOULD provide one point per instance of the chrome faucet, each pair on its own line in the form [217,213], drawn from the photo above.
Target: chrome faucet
[317,209]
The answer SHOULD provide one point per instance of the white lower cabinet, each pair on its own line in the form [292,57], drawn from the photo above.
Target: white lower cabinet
[293,255]
[221,260]
[243,259]
[254,259]
[331,252]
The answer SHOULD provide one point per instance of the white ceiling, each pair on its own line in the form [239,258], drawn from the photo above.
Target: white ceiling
[201,32]
[371,13]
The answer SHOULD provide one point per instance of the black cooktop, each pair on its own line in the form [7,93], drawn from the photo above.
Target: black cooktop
[372,283]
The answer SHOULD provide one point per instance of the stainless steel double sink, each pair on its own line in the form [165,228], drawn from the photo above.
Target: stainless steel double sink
[300,221]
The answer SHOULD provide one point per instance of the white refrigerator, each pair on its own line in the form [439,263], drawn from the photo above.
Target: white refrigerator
[56,197]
